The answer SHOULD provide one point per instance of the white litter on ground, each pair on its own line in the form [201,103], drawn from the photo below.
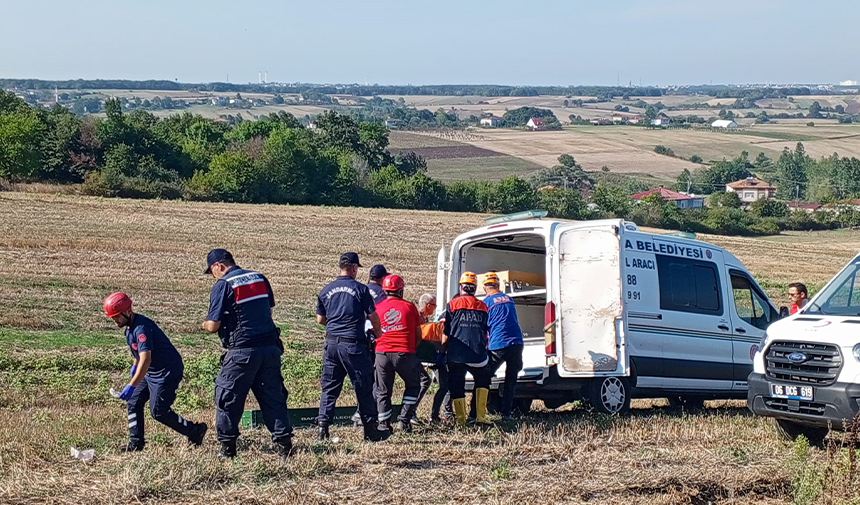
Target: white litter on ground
[85,455]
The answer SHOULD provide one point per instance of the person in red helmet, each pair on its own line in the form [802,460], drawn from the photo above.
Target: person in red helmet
[395,353]
[155,374]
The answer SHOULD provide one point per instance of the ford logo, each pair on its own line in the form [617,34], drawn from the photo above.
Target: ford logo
[797,357]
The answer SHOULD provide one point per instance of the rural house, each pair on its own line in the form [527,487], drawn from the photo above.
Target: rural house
[491,121]
[392,123]
[751,189]
[661,120]
[535,123]
[682,200]
[724,124]
[804,207]
[600,121]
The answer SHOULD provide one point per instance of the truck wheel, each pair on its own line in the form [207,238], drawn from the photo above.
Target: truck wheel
[688,402]
[610,395]
[790,430]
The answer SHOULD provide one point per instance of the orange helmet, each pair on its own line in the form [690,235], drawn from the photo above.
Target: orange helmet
[469,278]
[392,282]
[116,303]
[491,278]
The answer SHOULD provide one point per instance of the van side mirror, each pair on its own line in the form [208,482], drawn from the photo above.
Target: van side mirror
[783,312]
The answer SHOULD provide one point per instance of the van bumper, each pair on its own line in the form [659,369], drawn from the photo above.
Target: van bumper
[831,406]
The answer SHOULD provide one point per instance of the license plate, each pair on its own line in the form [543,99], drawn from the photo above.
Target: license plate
[804,393]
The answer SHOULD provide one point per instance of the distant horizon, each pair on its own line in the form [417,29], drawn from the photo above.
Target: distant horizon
[381,84]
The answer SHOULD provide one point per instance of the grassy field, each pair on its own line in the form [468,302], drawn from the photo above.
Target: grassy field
[59,256]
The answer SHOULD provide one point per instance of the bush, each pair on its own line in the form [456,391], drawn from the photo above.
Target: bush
[728,199]
[664,150]
[696,158]
[769,208]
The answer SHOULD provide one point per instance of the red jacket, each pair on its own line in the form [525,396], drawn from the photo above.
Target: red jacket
[400,321]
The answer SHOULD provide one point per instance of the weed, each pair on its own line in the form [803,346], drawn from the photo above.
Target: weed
[501,469]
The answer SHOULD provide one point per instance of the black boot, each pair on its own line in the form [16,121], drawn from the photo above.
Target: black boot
[322,434]
[228,449]
[285,448]
[404,426]
[197,433]
[373,434]
[131,447]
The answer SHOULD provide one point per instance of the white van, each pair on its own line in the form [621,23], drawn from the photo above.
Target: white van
[807,374]
[618,313]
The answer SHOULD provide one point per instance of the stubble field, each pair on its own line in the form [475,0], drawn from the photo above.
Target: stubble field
[59,256]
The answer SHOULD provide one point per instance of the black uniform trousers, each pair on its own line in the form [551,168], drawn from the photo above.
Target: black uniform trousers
[442,398]
[256,369]
[344,357]
[160,393]
[512,357]
[457,377]
[407,366]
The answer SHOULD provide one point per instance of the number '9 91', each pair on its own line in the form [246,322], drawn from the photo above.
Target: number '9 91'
[634,295]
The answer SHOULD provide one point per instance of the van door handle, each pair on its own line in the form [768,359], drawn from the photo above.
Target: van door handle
[740,330]
[723,327]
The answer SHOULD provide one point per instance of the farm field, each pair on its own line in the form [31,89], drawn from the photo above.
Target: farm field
[60,255]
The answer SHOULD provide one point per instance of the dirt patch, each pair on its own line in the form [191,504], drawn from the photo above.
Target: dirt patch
[447,152]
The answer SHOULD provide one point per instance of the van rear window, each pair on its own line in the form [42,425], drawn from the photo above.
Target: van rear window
[688,285]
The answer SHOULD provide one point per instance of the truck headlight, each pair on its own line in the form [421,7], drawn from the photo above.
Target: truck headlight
[857,352]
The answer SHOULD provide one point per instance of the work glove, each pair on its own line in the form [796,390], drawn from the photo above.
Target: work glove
[127,391]
[440,359]
[133,370]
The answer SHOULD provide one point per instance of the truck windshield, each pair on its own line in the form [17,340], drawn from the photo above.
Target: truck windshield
[842,296]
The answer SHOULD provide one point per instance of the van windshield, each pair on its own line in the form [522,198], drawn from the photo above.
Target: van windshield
[842,296]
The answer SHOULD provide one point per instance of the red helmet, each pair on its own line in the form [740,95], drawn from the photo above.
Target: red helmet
[116,303]
[392,282]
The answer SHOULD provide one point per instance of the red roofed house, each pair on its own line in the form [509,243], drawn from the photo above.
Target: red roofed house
[803,206]
[752,189]
[535,123]
[682,200]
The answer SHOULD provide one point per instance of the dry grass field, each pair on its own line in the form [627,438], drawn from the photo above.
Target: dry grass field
[60,254]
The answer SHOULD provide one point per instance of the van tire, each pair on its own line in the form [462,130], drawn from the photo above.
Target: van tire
[790,430]
[610,395]
[687,402]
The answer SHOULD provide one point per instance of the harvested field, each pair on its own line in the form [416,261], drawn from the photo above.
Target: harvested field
[59,255]
[446,152]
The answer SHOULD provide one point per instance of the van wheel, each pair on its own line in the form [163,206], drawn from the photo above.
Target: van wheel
[789,430]
[688,402]
[610,395]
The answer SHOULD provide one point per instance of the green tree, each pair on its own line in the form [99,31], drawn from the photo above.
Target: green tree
[20,135]
[612,200]
[766,207]
[513,194]
[791,173]
[560,203]
[728,199]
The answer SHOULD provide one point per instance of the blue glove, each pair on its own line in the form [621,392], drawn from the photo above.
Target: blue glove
[440,359]
[133,369]
[127,391]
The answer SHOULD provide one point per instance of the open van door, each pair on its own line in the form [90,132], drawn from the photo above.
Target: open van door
[443,269]
[588,292]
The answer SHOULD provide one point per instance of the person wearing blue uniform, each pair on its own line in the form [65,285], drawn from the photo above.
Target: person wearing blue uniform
[240,311]
[155,375]
[374,282]
[343,305]
[506,340]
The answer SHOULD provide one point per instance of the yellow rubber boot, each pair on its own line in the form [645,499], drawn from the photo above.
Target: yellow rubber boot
[481,395]
[460,411]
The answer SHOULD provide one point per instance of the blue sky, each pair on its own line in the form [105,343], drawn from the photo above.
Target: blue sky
[560,42]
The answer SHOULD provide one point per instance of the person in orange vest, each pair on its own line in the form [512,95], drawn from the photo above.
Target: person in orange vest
[464,341]
[395,353]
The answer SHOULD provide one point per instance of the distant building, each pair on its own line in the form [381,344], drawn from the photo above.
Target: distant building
[635,119]
[392,123]
[682,200]
[804,207]
[491,121]
[600,121]
[661,120]
[724,123]
[848,83]
[535,123]
[752,189]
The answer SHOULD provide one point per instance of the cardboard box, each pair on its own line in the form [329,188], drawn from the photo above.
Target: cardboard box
[511,281]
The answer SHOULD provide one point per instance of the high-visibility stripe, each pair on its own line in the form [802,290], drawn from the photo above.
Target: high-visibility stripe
[479,365]
[385,416]
[409,400]
[132,424]
[133,415]
[253,291]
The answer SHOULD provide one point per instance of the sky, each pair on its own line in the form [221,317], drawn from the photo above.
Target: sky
[538,42]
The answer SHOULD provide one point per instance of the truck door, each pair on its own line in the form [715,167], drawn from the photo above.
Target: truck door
[751,314]
[443,270]
[587,291]
[695,320]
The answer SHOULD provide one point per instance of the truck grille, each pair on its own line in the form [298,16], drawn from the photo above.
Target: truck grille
[808,408]
[820,368]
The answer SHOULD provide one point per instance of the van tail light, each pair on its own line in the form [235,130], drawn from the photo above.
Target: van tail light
[549,327]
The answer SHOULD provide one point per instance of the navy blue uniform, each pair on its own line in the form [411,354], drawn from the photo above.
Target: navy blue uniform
[159,385]
[376,292]
[346,303]
[466,326]
[242,300]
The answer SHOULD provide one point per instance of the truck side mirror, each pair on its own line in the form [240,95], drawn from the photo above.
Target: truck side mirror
[783,312]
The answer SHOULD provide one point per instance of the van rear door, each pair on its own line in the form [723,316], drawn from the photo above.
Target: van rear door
[589,327]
